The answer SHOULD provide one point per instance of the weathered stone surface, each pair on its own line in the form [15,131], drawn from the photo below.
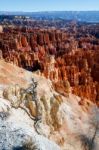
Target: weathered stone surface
[63,118]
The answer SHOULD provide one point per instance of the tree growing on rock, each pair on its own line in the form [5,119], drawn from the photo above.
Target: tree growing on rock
[31,95]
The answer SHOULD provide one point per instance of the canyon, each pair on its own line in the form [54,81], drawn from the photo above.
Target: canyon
[49,84]
[65,56]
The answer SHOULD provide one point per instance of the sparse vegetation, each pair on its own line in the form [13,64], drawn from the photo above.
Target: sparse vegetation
[4,115]
[27,146]
[88,141]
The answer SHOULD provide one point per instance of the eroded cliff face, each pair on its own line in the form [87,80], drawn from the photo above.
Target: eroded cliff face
[59,55]
[52,120]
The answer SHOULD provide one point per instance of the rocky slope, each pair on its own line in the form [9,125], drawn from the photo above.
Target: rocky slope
[57,121]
